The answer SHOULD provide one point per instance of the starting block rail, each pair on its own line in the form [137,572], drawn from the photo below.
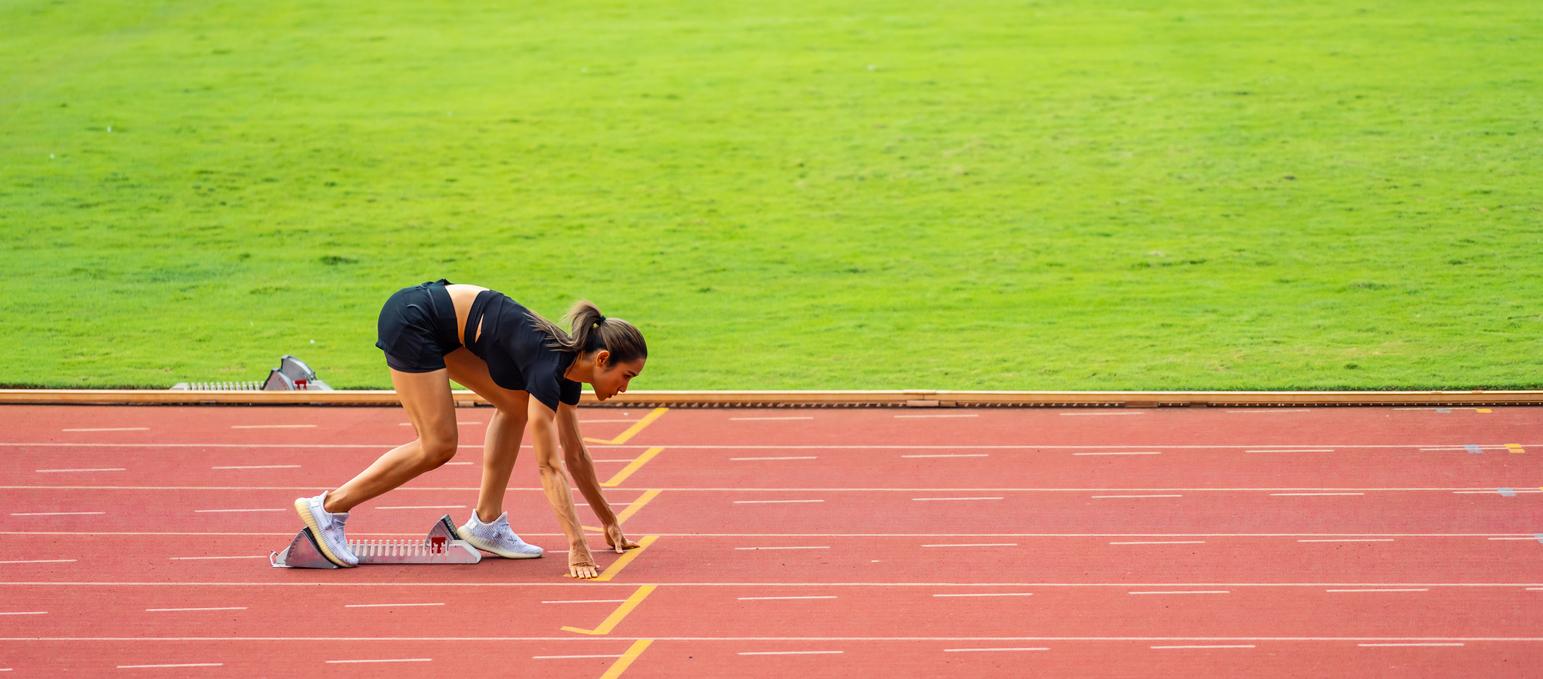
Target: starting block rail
[443,545]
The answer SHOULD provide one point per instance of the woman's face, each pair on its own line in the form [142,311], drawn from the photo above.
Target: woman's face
[612,378]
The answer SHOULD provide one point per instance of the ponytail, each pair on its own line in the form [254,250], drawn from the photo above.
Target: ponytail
[593,331]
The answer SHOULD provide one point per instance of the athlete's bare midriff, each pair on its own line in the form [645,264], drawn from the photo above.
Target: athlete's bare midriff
[461,296]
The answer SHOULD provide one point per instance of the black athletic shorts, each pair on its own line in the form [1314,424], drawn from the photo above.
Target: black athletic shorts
[417,328]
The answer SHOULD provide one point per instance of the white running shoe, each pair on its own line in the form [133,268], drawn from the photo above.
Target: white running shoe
[328,529]
[497,538]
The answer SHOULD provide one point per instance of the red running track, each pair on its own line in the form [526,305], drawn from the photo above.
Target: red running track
[823,542]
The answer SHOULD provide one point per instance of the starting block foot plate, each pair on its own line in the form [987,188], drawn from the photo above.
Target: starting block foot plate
[442,545]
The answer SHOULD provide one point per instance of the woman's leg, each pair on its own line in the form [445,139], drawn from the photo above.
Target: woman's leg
[502,445]
[426,397]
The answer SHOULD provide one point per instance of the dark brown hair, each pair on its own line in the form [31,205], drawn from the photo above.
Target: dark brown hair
[593,331]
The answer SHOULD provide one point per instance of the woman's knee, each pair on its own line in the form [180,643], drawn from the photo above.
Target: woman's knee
[513,414]
[436,450]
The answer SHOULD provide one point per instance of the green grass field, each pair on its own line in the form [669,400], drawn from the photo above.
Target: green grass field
[976,195]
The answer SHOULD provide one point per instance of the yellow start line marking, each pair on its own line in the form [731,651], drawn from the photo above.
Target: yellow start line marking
[631,467]
[633,430]
[625,661]
[612,570]
[616,616]
[631,510]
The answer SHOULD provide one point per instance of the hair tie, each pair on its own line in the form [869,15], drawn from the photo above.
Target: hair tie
[596,324]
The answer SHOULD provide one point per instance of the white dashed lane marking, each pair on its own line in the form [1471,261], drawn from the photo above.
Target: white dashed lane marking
[166,665]
[57,513]
[918,457]
[260,466]
[975,544]
[425,507]
[1121,497]
[1141,452]
[71,471]
[781,598]
[760,459]
[1312,494]
[1160,542]
[239,511]
[770,419]
[586,601]
[388,605]
[379,660]
[757,549]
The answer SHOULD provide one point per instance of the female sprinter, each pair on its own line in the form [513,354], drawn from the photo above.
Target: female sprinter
[525,366]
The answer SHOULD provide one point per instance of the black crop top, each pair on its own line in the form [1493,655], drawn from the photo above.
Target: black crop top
[516,352]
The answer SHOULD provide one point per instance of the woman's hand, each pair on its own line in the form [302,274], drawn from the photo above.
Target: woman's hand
[581,564]
[616,540]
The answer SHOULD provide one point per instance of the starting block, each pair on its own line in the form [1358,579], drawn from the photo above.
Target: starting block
[291,375]
[441,545]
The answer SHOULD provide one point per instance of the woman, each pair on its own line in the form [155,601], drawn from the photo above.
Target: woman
[525,366]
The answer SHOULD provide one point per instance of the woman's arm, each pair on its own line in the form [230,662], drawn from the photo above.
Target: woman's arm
[543,431]
[582,468]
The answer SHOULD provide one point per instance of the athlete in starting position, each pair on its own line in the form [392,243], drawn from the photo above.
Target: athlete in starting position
[525,366]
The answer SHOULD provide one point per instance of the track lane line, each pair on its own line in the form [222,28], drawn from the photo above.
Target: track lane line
[784,598]
[85,470]
[57,513]
[377,660]
[170,665]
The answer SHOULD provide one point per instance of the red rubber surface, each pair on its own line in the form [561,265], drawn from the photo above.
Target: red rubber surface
[872,541]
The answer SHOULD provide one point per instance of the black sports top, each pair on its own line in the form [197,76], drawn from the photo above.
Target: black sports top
[516,352]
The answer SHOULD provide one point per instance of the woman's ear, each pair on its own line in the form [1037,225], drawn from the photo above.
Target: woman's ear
[602,359]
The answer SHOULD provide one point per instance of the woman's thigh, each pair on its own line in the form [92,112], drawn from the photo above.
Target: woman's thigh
[472,373]
[426,398]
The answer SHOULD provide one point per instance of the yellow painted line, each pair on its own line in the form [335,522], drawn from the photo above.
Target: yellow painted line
[633,430]
[626,558]
[626,659]
[615,618]
[631,467]
[636,505]
[1482,410]
[630,510]
[1515,448]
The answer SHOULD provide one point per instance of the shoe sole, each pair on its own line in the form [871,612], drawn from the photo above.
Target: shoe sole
[303,507]
[473,541]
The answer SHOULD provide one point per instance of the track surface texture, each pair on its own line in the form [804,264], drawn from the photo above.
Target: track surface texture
[919,542]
